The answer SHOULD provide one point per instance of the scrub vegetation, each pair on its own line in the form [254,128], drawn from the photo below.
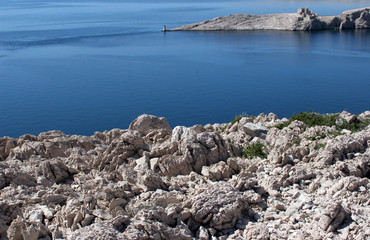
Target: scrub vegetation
[254,150]
[312,119]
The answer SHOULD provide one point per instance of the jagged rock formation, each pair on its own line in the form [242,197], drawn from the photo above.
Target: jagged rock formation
[303,20]
[154,182]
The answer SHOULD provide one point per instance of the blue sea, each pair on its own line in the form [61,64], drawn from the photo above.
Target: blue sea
[82,66]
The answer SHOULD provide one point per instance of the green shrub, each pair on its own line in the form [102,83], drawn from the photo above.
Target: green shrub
[282,125]
[224,128]
[355,126]
[317,137]
[321,145]
[336,134]
[236,119]
[312,119]
[311,138]
[254,150]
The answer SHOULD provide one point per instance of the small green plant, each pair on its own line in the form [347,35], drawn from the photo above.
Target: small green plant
[296,141]
[236,119]
[354,126]
[312,138]
[318,136]
[282,125]
[321,145]
[254,150]
[336,134]
[224,128]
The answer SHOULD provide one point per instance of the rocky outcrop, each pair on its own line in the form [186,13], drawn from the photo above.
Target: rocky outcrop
[154,182]
[303,20]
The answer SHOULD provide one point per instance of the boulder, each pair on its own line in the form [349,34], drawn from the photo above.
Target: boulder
[100,213]
[150,181]
[217,171]
[218,207]
[332,217]
[193,152]
[148,123]
[6,144]
[345,117]
[27,149]
[100,230]
[129,145]
[55,171]
[365,115]
[20,229]
[255,130]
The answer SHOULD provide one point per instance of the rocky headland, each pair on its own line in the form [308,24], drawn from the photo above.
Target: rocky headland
[254,178]
[303,20]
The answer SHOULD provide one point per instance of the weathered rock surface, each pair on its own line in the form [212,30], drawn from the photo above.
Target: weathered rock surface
[303,20]
[154,182]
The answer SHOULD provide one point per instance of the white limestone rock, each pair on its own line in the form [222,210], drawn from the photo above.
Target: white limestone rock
[148,123]
[219,207]
[255,130]
[188,183]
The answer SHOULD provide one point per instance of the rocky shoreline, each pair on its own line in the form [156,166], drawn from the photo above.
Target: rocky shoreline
[152,181]
[303,20]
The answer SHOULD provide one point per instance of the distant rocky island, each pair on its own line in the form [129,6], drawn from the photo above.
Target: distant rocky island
[303,20]
[257,177]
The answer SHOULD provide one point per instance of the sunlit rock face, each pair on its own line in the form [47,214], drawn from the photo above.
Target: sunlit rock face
[152,181]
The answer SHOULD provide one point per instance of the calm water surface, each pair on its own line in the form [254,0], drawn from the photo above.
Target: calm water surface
[85,66]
